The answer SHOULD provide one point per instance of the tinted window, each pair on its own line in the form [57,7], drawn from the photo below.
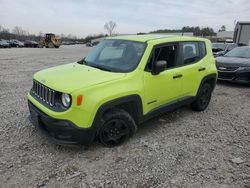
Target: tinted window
[190,52]
[203,52]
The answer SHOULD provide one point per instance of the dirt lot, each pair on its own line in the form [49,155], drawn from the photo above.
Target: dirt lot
[180,149]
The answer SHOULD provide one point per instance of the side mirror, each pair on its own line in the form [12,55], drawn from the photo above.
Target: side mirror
[159,66]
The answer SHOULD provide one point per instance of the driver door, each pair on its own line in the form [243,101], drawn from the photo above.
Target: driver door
[165,87]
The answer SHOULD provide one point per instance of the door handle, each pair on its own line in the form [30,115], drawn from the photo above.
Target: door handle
[177,76]
[202,69]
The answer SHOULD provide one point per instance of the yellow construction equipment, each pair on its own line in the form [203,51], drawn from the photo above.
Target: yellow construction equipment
[50,41]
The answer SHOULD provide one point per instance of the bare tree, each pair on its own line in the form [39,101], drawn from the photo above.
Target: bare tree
[70,36]
[17,30]
[110,26]
[62,36]
[40,34]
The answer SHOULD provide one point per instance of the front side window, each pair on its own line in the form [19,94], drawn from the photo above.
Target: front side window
[166,53]
[116,55]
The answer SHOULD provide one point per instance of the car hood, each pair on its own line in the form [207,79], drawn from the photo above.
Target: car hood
[70,77]
[233,61]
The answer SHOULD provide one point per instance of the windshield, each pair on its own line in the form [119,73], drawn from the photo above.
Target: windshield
[116,55]
[219,46]
[239,52]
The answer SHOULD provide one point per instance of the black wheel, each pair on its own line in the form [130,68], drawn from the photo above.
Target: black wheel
[51,45]
[203,98]
[40,45]
[117,126]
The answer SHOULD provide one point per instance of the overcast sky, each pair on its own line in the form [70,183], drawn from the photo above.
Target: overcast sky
[84,17]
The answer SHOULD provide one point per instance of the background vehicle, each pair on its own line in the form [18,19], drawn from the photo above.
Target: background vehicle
[4,44]
[50,41]
[220,49]
[30,44]
[242,33]
[235,65]
[121,83]
[89,44]
[16,43]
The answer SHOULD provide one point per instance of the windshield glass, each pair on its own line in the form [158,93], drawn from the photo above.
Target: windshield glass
[116,55]
[239,52]
[219,46]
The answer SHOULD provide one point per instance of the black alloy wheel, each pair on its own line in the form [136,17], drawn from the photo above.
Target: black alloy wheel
[114,132]
[203,98]
[116,127]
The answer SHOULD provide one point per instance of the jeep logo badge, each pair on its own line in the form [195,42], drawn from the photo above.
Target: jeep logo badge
[43,81]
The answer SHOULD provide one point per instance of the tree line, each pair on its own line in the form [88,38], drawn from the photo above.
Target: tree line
[197,31]
[20,34]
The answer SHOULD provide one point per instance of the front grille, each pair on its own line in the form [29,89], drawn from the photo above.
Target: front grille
[226,75]
[43,93]
[222,68]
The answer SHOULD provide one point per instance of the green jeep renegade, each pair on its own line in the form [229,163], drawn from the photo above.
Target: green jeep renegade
[121,83]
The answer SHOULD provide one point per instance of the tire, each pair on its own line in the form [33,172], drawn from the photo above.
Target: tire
[40,45]
[117,126]
[51,45]
[203,98]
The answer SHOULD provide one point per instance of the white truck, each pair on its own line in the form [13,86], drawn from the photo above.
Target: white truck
[242,33]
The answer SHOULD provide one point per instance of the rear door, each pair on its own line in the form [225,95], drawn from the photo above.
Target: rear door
[193,66]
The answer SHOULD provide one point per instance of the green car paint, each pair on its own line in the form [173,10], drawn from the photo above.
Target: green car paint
[98,86]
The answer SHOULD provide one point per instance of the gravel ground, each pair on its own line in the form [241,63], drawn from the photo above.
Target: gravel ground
[179,149]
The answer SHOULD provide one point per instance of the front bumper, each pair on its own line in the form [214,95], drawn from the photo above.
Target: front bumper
[234,76]
[62,132]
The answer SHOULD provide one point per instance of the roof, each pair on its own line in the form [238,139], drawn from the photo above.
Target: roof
[243,22]
[150,37]
[225,34]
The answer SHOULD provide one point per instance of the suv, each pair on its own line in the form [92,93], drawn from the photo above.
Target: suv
[121,83]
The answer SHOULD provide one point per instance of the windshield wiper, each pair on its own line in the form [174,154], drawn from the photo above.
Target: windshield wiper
[100,67]
[82,61]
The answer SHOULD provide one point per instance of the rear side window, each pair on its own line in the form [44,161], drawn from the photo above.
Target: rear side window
[193,52]
[203,52]
[190,52]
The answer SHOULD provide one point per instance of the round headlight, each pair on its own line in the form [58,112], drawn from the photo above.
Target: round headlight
[66,100]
